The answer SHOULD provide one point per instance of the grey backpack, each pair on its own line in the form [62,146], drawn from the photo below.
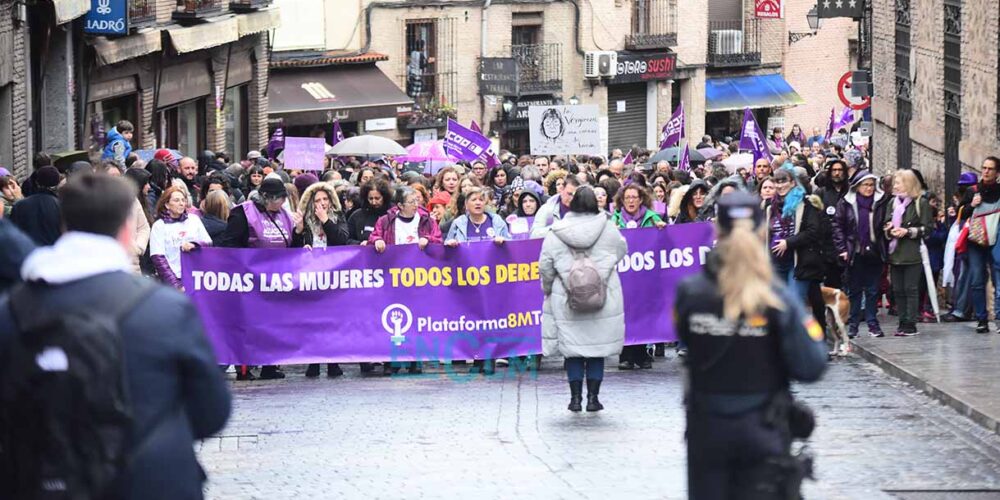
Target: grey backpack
[586,289]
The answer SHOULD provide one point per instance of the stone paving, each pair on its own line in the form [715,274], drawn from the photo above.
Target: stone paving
[433,437]
[949,361]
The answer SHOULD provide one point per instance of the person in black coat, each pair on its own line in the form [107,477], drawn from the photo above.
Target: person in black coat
[215,212]
[375,198]
[38,214]
[14,248]
[177,394]
[833,186]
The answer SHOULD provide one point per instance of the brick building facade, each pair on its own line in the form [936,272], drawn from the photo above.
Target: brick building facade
[190,76]
[936,81]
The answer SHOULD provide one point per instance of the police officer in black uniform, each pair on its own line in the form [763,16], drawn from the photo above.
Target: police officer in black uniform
[747,338]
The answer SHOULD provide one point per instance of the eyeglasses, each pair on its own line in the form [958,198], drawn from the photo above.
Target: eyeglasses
[633,198]
[409,203]
[781,181]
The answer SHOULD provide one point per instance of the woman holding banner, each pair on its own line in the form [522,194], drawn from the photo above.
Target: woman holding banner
[635,212]
[321,225]
[579,325]
[375,197]
[404,224]
[175,231]
[476,224]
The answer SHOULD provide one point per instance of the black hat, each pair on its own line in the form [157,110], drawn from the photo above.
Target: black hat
[47,176]
[272,188]
[736,206]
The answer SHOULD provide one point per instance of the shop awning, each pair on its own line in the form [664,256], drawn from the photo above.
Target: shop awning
[764,91]
[262,20]
[68,10]
[309,96]
[111,51]
[204,36]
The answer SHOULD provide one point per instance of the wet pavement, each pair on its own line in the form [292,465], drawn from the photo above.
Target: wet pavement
[438,436]
[949,361]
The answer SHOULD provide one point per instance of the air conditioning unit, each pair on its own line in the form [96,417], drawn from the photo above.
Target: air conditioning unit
[727,42]
[600,64]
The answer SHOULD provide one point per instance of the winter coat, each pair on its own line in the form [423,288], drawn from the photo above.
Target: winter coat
[920,218]
[845,226]
[141,237]
[806,243]
[385,227]
[361,224]
[215,226]
[39,217]
[565,331]
[546,216]
[177,393]
[682,215]
[14,248]
[460,225]
[117,148]
[649,218]
[335,227]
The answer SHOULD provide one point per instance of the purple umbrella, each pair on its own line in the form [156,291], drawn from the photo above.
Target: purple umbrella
[710,153]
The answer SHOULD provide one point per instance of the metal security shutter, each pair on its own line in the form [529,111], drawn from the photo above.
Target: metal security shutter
[627,128]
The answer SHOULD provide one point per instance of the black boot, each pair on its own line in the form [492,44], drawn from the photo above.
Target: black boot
[367,367]
[243,373]
[575,395]
[593,388]
[332,370]
[313,370]
[271,372]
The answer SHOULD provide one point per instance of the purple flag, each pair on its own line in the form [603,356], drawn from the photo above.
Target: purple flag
[277,142]
[464,144]
[480,300]
[338,135]
[475,127]
[751,137]
[846,118]
[684,160]
[628,158]
[673,131]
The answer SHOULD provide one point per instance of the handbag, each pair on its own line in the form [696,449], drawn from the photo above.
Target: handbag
[983,228]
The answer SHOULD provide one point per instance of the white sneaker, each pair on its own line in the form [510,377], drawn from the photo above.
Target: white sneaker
[502,362]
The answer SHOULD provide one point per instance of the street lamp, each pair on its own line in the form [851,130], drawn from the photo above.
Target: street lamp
[815,23]
[508,105]
[573,101]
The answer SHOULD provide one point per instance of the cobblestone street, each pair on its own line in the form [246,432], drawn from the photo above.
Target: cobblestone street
[435,436]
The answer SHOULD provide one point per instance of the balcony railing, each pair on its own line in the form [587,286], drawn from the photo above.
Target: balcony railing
[654,25]
[248,5]
[190,10]
[733,43]
[540,66]
[141,13]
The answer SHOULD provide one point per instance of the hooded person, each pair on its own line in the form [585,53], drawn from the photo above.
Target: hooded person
[38,215]
[262,222]
[692,203]
[519,222]
[321,225]
[119,144]
[860,247]
[583,336]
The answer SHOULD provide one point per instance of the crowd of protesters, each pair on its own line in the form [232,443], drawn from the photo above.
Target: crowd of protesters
[830,221]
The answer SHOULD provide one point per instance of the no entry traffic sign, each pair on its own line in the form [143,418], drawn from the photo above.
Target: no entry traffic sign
[844,93]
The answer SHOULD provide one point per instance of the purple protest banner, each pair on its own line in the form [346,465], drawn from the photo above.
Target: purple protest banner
[338,134]
[477,301]
[303,153]
[277,142]
[752,138]
[846,118]
[673,130]
[464,143]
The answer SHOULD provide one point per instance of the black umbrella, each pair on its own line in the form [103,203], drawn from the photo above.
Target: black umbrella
[671,154]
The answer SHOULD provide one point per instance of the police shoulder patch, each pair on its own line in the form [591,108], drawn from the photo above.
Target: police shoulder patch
[812,327]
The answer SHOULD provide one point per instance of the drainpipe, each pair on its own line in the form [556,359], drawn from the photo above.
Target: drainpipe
[482,53]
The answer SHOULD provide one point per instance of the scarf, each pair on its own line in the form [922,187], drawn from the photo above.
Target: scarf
[168,218]
[637,218]
[898,209]
[864,223]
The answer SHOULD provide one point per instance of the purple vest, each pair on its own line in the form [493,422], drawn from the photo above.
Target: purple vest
[265,232]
